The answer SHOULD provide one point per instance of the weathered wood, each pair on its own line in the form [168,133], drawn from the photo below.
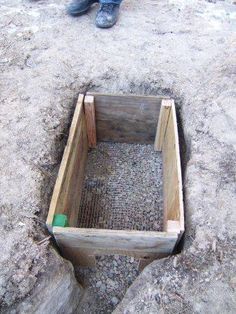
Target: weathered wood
[162,123]
[130,119]
[82,245]
[89,109]
[79,257]
[68,187]
[172,178]
[139,241]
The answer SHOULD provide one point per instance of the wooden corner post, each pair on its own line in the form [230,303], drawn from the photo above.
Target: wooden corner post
[89,109]
[172,176]
[166,105]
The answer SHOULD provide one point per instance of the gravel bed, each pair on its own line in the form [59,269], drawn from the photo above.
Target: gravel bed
[122,188]
[107,283]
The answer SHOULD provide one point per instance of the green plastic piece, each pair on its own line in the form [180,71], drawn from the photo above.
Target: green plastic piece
[60,220]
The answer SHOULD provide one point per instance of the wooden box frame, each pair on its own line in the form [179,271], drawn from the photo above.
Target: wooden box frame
[132,119]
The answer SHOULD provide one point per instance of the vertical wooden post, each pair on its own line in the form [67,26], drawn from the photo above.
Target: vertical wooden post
[172,178]
[89,109]
[162,123]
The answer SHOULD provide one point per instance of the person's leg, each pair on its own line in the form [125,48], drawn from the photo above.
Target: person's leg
[79,7]
[108,13]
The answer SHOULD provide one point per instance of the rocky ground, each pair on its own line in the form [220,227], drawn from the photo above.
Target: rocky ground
[122,188]
[183,49]
[106,284]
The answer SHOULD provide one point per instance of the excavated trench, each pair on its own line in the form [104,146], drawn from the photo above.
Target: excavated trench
[106,284]
[101,207]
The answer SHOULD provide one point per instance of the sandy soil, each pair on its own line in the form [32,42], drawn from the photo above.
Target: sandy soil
[183,49]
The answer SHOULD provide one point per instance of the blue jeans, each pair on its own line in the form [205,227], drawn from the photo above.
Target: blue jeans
[111,1]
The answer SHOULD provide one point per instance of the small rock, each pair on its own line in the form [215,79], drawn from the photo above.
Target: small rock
[111,282]
[103,287]
[98,284]
[175,261]
[213,247]
[115,300]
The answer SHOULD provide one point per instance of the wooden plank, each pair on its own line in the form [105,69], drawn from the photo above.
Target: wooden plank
[68,187]
[89,109]
[172,178]
[105,239]
[162,123]
[130,119]
[82,245]
[79,257]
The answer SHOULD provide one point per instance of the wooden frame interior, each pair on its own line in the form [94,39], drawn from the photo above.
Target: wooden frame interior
[116,118]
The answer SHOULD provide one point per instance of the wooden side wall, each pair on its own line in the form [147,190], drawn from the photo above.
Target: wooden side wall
[67,191]
[172,177]
[82,245]
[130,119]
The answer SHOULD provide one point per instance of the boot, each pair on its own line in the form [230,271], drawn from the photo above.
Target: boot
[107,15]
[79,7]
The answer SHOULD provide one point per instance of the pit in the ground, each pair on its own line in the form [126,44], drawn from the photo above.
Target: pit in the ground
[122,188]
